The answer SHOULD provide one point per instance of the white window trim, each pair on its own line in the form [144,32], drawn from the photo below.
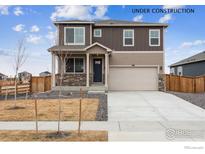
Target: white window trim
[100,33]
[74,65]
[65,43]
[180,69]
[133,40]
[152,45]
[172,71]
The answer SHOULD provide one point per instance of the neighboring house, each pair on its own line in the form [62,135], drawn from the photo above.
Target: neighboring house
[192,66]
[3,77]
[46,73]
[24,76]
[109,55]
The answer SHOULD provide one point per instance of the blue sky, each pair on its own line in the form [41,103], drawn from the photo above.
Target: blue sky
[184,37]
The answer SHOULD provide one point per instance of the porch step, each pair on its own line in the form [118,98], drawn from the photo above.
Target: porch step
[96,92]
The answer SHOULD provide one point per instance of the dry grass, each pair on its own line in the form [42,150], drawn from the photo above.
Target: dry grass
[48,110]
[53,136]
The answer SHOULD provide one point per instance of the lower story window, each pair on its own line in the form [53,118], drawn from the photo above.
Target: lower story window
[74,65]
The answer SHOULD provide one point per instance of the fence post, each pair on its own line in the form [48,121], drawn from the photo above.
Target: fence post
[30,85]
[180,89]
[204,84]
[194,85]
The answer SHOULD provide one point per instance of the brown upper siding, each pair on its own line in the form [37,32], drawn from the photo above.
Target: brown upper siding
[112,37]
[87,32]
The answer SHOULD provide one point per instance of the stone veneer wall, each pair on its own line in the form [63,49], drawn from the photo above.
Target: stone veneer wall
[74,80]
[161,82]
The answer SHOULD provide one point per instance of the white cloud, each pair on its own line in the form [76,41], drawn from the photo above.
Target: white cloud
[192,44]
[138,18]
[34,28]
[79,12]
[18,28]
[165,18]
[49,27]
[4,9]
[100,12]
[18,11]
[34,39]
[173,6]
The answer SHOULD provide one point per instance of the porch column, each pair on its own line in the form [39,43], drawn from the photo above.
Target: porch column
[106,69]
[87,69]
[53,71]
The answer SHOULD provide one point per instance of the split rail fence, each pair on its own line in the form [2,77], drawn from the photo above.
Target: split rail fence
[36,84]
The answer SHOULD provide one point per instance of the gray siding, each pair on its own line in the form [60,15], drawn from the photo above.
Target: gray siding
[193,69]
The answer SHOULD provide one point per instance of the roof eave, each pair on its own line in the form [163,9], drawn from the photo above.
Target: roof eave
[68,22]
[137,25]
[174,65]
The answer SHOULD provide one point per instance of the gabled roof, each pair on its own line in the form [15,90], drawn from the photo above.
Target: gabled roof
[24,72]
[2,74]
[97,44]
[195,58]
[77,48]
[46,72]
[110,23]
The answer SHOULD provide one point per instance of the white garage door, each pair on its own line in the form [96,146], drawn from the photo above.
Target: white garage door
[127,78]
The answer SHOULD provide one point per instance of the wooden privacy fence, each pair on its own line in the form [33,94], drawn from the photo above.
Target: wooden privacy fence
[185,84]
[37,84]
[40,84]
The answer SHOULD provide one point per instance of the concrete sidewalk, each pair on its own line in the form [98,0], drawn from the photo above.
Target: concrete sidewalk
[125,131]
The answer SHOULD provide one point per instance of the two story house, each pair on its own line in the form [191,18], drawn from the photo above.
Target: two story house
[109,55]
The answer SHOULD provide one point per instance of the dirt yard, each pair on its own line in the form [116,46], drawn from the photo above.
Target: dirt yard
[48,109]
[53,136]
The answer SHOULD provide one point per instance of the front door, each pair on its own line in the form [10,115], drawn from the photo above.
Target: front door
[97,70]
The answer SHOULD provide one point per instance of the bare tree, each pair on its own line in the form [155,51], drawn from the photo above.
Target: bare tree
[20,59]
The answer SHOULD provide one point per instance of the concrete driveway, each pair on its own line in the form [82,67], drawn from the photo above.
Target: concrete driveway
[154,116]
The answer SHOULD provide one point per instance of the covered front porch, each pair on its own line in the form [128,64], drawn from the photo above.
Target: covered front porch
[87,69]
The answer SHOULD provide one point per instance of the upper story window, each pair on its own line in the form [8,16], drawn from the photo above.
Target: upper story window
[154,37]
[128,37]
[97,32]
[179,70]
[172,71]
[74,35]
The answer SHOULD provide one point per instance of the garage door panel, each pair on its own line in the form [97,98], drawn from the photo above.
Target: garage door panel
[133,78]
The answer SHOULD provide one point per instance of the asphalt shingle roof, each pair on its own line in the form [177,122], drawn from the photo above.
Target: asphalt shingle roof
[195,58]
[109,22]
